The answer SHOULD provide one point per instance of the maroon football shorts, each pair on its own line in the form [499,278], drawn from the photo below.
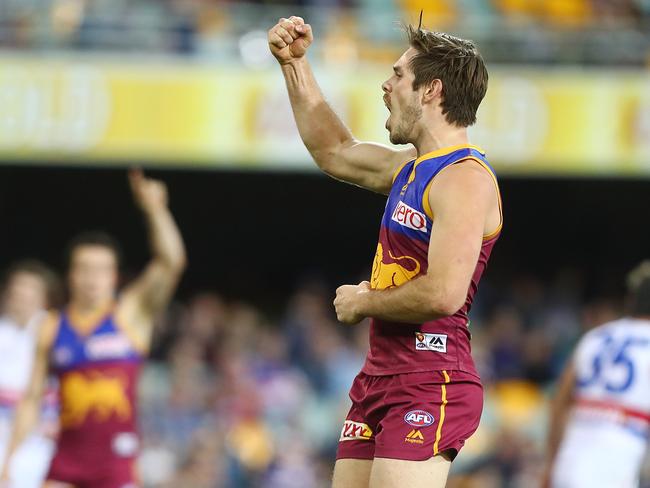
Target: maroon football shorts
[411,416]
[112,473]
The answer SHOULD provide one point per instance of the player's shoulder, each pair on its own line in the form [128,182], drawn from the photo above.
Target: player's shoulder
[623,325]
[48,327]
[635,327]
[468,167]
[605,327]
[462,181]
[596,333]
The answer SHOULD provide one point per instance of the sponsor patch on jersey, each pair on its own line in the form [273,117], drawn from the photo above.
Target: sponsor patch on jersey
[355,431]
[414,437]
[107,346]
[409,217]
[419,418]
[430,342]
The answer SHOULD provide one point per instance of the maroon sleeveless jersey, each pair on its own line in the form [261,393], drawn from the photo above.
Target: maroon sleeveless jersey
[402,252]
[98,372]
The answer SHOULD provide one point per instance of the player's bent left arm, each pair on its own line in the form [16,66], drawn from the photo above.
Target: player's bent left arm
[150,293]
[464,202]
[559,413]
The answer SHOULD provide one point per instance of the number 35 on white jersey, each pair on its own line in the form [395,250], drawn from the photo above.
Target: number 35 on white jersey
[612,364]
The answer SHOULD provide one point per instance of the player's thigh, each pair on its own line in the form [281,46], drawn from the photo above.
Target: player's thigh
[57,484]
[398,473]
[351,473]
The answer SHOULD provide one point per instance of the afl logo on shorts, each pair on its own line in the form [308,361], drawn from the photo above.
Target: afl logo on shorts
[419,418]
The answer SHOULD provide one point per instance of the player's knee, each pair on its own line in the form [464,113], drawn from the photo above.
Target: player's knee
[56,484]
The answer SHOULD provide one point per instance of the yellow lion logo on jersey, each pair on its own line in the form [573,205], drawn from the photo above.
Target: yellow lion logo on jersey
[103,395]
[388,275]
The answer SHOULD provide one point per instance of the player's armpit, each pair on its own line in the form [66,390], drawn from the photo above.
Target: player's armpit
[366,164]
[465,205]
[142,301]
[153,289]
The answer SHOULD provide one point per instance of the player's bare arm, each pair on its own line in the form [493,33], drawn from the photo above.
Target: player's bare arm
[330,142]
[28,410]
[464,202]
[558,416]
[149,294]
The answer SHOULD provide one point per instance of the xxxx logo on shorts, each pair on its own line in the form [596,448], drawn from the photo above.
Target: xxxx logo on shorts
[355,431]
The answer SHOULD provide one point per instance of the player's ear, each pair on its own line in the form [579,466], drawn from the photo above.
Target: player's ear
[432,91]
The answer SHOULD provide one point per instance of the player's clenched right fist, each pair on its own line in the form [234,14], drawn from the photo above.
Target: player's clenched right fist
[289,39]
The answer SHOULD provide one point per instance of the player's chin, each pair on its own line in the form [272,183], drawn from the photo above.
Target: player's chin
[388,126]
[395,138]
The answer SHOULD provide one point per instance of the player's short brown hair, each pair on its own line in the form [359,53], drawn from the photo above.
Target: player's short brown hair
[54,290]
[93,238]
[458,64]
[638,286]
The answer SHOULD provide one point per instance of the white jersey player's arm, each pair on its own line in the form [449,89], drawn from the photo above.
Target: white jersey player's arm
[28,409]
[330,142]
[559,413]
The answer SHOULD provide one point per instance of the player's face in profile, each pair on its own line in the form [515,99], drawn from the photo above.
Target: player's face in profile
[402,101]
[93,274]
[25,294]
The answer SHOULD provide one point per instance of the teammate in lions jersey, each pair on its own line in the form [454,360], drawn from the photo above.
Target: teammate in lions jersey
[600,418]
[418,396]
[95,346]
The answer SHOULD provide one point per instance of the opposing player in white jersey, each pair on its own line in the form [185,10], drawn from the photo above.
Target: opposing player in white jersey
[600,418]
[28,290]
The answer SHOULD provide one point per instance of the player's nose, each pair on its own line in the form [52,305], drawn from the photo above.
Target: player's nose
[385,86]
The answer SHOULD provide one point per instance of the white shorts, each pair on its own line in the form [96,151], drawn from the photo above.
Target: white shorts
[598,456]
[31,460]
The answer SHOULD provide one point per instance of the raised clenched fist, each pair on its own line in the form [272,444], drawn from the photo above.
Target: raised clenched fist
[149,194]
[289,39]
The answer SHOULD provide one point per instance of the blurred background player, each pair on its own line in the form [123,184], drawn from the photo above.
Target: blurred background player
[95,347]
[600,418]
[418,396]
[30,288]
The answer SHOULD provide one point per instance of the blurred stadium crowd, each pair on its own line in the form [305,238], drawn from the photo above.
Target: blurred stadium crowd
[539,31]
[235,398]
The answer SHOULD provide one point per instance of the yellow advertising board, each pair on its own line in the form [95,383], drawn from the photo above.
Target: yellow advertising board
[187,114]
